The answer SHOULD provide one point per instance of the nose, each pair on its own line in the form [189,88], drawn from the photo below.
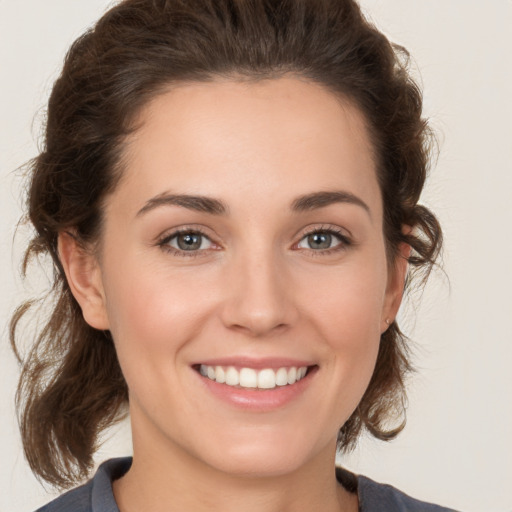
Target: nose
[259,296]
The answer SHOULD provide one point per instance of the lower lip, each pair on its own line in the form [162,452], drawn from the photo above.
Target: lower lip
[259,400]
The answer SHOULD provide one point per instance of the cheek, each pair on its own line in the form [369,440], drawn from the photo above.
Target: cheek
[151,314]
[345,309]
[347,302]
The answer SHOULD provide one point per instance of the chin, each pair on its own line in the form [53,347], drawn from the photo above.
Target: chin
[266,455]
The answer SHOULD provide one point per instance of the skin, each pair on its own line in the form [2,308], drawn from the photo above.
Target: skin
[256,288]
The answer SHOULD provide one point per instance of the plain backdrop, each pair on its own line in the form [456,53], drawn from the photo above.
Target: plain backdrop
[456,449]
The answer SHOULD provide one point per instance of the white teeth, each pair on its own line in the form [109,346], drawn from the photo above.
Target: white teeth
[251,378]
[220,375]
[248,378]
[281,377]
[232,377]
[292,375]
[267,379]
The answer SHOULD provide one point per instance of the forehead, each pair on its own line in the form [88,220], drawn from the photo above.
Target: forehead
[243,141]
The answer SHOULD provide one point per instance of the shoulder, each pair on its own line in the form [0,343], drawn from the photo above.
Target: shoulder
[376,497]
[78,500]
[94,496]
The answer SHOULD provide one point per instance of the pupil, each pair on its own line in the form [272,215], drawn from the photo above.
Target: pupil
[189,242]
[319,241]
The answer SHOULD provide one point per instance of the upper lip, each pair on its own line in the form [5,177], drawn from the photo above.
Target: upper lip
[256,363]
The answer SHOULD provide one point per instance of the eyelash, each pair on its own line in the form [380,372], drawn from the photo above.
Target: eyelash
[163,243]
[344,241]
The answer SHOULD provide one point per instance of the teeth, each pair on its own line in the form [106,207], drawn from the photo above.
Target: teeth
[251,378]
[248,378]
[281,377]
[267,379]
[220,375]
[232,377]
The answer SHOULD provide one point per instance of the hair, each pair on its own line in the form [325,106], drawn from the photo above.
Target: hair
[71,386]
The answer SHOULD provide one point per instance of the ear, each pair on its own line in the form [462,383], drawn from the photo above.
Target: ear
[395,286]
[84,278]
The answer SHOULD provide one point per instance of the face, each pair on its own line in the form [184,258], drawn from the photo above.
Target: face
[243,247]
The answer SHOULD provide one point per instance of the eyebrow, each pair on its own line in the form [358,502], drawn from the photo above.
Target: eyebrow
[321,199]
[198,203]
[214,206]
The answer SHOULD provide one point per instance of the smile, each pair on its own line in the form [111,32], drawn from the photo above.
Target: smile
[250,378]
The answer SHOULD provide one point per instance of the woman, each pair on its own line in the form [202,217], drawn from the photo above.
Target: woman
[229,193]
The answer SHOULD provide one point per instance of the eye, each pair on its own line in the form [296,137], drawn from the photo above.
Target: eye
[322,240]
[187,241]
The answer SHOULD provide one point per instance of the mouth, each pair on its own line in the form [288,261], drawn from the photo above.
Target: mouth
[252,378]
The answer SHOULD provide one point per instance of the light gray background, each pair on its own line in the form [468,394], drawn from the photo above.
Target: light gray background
[456,449]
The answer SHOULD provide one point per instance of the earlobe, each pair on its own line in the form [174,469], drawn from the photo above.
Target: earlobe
[84,278]
[396,285]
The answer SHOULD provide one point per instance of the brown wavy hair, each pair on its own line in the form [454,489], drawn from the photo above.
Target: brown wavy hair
[71,386]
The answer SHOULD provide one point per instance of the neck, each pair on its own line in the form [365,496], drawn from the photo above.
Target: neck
[171,479]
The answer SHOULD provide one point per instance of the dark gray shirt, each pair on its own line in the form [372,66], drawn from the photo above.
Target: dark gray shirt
[97,495]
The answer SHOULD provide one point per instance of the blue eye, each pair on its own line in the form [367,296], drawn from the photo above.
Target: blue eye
[189,241]
[322,240]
